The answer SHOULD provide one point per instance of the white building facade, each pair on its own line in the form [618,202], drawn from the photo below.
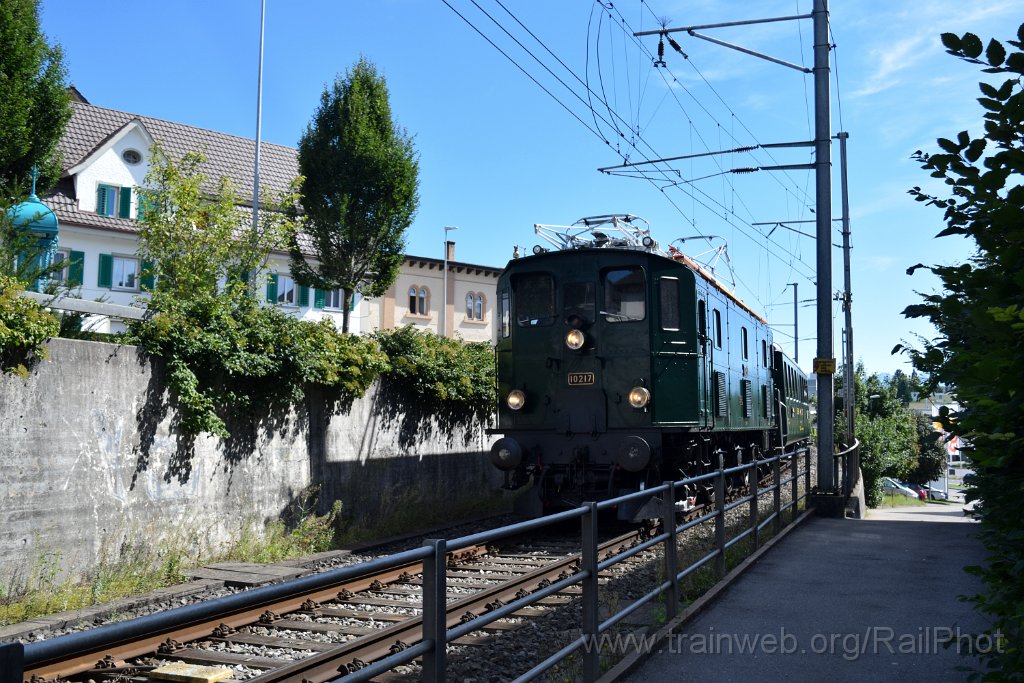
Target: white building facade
[106,158]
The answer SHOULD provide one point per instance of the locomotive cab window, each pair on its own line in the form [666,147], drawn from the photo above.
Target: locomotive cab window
[668,291]
[716,316]
[580,301]
[624,295]
[503,313]
[534,299]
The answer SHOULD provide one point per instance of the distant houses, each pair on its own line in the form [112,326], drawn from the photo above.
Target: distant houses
[106,158]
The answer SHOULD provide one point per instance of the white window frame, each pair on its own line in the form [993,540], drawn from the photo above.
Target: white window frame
[61,276]
[333,299]
[124,258]
[283,298]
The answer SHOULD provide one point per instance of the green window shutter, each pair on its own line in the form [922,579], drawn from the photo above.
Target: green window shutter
[319,298]
[101,200]
[352,302]
[148,280]
[125,210]
[106,276]
[76,269]
[303,296]
[147,204]
[272,289]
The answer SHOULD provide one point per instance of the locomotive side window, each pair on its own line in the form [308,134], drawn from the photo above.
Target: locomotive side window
[580,301]
[535,299]
[702,324]
[503,313]
[764,353]
[717,317]
[669,294]
[624,295]
[745,347]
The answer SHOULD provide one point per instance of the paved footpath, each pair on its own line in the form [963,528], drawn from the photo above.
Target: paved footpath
[840,600]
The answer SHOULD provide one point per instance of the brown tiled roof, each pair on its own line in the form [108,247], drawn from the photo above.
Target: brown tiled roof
[228,156]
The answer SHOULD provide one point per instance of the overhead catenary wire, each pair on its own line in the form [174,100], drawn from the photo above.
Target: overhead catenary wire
[615,122]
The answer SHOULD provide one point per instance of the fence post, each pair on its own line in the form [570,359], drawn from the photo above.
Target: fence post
[435,612]
[807,474]
[720,515]
[752,484]
[777,491]
[12,662]
[671,551]
[794,473]
[591,618]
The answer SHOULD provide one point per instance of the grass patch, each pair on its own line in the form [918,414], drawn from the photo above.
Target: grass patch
[140,568]
[900,501]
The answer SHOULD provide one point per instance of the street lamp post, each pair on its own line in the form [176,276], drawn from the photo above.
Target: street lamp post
[444,287]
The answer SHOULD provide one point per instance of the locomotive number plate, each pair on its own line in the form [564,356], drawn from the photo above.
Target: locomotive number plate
[577,379]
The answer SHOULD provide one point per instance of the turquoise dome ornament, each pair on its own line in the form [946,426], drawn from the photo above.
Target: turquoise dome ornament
[36,218]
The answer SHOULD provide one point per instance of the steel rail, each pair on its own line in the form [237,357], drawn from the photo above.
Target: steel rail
[351,656]
[79,652]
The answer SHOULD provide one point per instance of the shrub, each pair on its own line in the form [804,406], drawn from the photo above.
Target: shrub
[228,356]
[24,326]
[454,377]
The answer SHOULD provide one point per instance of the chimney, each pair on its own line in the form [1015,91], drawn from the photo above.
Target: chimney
[449,250]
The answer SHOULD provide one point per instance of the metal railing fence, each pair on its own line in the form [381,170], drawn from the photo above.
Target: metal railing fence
[433,555]
[847,469]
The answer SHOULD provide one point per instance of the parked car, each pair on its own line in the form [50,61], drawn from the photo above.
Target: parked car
[936,494]
[919,489]
[894,488]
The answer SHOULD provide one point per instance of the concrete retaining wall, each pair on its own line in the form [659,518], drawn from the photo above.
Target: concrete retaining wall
[90,465]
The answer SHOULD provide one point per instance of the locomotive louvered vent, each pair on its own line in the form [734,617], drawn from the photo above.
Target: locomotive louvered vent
[764,401]
[721,398]
[748,397]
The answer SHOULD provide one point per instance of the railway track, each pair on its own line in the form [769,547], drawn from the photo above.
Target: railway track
[319,635]
[318,629]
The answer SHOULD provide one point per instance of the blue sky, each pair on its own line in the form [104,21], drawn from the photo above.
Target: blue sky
[498,153]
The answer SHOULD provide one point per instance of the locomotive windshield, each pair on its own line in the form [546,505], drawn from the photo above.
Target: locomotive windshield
[580,301]
[624,295]
[534,299]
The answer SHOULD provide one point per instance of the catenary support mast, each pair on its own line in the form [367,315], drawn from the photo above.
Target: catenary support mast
[824,363]
[848,395]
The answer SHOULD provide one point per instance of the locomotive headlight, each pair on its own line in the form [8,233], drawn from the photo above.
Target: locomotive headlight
[639,397]
[516,399]
[574,339]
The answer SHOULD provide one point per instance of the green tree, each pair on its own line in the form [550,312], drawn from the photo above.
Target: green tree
[885,429]
[903,386]
[193,235]
[34,101]
[979,315]
[931,459]
[359,189]
[225,354]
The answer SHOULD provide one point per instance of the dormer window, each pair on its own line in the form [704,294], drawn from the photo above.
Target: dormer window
[131,156]
[114,201]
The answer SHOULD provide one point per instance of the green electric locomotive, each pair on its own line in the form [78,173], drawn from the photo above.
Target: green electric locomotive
[621,366]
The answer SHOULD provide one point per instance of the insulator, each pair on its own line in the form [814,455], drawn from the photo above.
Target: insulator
[675,46]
